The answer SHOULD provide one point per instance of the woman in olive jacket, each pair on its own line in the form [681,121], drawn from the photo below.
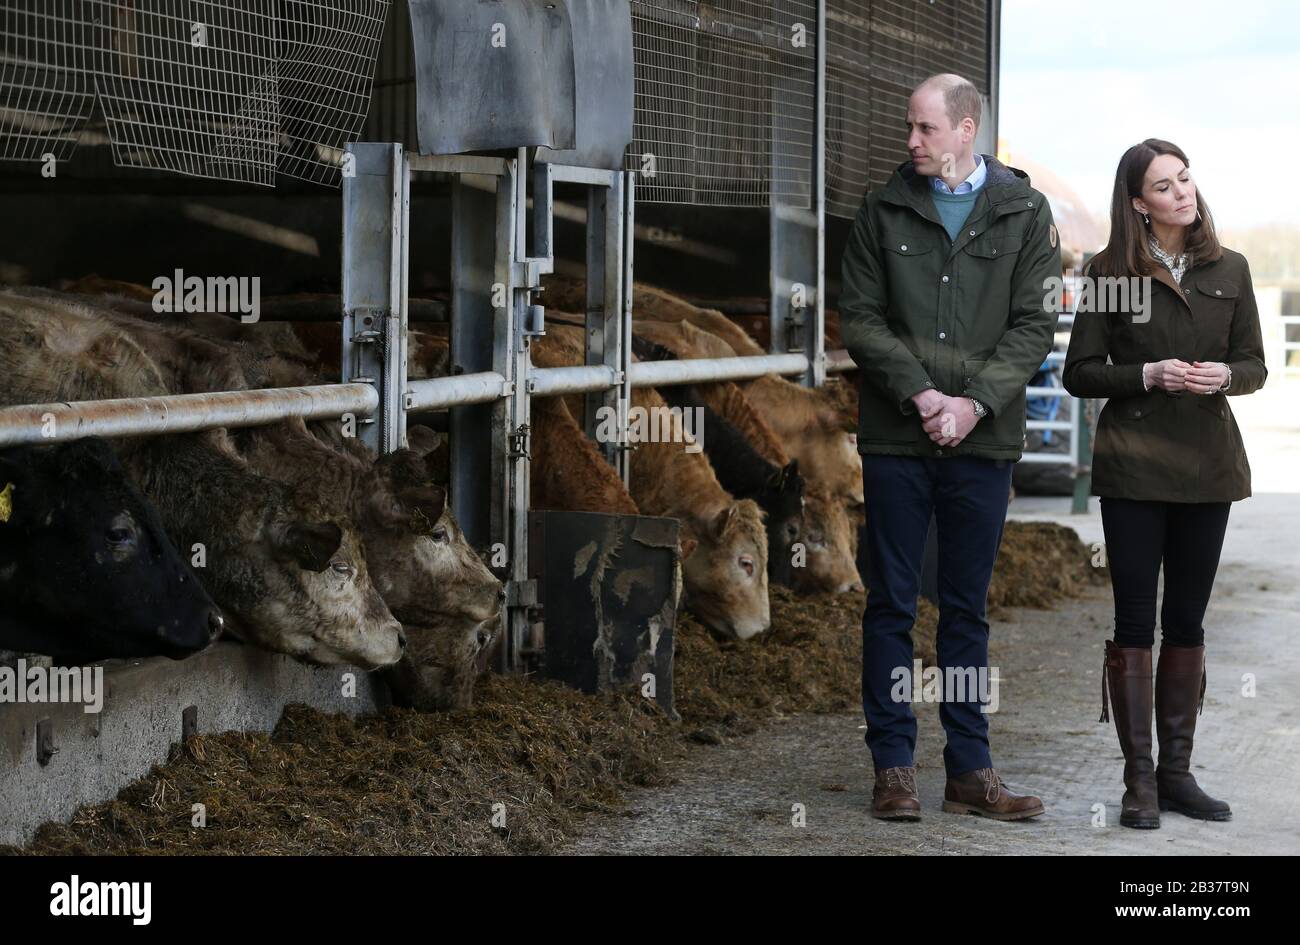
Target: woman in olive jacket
[1168,460]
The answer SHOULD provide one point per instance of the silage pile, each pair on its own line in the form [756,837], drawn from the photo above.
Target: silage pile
[516,773]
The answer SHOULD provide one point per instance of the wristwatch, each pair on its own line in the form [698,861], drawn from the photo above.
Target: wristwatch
[980,409]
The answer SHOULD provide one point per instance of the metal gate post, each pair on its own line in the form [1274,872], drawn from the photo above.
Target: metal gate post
[797,221]
[605,315]
[376,208]
[517,277]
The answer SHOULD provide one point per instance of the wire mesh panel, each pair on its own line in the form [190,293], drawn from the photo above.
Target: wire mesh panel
[190,86]
[47,90]
[716,84]
[231,89]
[877,51]
[326,60]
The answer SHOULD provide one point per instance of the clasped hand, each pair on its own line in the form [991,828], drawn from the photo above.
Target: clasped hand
[947,420]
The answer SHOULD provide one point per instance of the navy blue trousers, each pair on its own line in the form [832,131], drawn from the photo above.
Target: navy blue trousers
[968,497]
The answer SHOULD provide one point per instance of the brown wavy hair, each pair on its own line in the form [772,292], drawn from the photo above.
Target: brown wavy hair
[1127,253]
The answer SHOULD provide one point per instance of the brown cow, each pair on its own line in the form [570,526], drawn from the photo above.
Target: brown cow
[726,574]
[285,574]
[813,430]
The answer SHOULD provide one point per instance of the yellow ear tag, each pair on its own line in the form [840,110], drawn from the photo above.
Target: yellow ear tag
[6,502]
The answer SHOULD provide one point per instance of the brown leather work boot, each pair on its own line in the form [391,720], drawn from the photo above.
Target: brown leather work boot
[1127,674]
[982,792]
[894,795]
[1180,690]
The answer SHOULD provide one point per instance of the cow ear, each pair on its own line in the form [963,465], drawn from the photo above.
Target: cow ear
[310,544]
[688,546]
[422,440]
[723,520]
[425,506]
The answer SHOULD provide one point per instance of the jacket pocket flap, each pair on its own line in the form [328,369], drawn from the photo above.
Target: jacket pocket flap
[1214,403]
[991,247]
[969,369]
[905,244]
[1218,289]
[1135,408]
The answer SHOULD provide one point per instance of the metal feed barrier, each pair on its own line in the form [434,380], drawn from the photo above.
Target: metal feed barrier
[494,310]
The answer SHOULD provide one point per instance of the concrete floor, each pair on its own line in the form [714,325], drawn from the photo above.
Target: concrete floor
[739,798]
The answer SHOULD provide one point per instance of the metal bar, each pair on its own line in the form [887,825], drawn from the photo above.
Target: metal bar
[591,176]
[376,205]
[439,393]
[474,272]
[459,164]
[698,370]
[815,345]
[1063,425]
[628,237]
[181,413]
[839,360]
[1061,458]
[548,382]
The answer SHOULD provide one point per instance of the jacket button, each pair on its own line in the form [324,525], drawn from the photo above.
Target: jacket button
[903,247]
[945,278]
[1218,292]
[938,451]
[972,232]
[1137,412]
[943,335]
[1029,203]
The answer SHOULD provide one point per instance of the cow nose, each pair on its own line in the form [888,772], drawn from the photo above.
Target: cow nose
[215,624]
[501,594]
[483,636]
[401,639]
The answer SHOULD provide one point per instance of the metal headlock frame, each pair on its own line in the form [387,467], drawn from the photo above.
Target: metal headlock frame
[492,323]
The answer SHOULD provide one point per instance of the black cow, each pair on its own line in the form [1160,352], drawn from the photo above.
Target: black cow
[86,570]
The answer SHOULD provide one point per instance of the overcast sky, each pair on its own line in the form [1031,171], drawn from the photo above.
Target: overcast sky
[1081,82]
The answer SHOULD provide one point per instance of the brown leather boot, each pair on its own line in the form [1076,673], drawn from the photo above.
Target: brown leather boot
[1127,670]
[1180,693]
[894,795]
[982,792]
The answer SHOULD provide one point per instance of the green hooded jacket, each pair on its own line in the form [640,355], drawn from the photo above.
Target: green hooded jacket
[972,317]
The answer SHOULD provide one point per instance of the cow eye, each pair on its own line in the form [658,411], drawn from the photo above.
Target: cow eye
[817,538]
[120,537]
[747,563]
[439,534]
[341,567]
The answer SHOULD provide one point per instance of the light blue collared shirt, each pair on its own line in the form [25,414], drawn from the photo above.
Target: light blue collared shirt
[972,183]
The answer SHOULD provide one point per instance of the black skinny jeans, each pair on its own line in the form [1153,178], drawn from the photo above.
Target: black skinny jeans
[1187,537]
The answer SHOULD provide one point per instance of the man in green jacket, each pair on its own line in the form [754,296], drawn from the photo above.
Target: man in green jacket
[945,308]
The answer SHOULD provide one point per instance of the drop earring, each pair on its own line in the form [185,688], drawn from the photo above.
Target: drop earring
[1147,218]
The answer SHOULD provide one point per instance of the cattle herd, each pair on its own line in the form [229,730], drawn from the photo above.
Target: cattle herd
[294,538]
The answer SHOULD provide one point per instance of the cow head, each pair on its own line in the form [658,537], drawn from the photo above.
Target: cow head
[726,574]
[441,663]
[829,563]
[288,567]
[829,455]
[782,498]
[430,577]
[86,568]
[426,570]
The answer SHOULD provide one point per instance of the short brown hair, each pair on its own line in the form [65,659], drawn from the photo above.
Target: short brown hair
[960,97]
